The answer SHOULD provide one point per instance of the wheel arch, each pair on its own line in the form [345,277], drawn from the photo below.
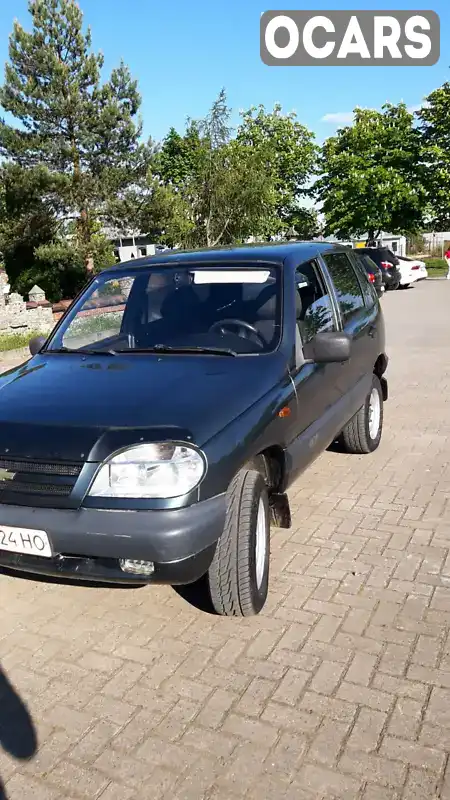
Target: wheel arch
[271,463]
[379,369]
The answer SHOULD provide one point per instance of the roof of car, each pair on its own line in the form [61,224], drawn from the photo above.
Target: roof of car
[282,253]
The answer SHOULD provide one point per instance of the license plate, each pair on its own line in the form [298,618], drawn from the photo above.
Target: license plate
[25,541]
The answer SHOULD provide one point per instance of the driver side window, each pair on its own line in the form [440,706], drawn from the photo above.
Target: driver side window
[315,311]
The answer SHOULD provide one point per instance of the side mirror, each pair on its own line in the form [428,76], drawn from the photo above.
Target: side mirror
[36,344]
[330,347]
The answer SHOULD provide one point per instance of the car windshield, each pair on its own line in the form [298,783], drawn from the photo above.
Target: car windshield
[229,310]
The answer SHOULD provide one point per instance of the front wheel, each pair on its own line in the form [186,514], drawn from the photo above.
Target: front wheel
[239,573]
[363,433]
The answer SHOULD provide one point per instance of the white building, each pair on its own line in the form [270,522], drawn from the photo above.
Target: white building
[133,246]
[395,243]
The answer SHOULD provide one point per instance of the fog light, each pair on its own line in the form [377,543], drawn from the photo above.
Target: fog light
[136,567]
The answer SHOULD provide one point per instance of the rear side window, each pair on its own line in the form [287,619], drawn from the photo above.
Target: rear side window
[366,265]
[374,255]
[387,255]
[315,312]
[348,289]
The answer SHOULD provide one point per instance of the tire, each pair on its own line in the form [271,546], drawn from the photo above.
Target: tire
[404,286]
[238,577]
[358,437]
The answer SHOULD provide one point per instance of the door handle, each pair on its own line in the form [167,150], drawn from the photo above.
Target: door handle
[372,331]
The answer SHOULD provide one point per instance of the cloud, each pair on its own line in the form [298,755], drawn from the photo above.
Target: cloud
[347,117]
[413,109]
[339,118]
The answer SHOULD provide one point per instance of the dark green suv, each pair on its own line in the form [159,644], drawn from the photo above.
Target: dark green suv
[153,437]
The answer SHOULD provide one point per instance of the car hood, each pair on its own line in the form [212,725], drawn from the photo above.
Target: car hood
[59,406]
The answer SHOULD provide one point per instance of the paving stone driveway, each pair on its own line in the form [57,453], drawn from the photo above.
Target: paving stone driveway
[341,689]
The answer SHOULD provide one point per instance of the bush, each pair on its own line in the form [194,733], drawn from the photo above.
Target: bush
[58,269]
[103,253]
[435,263]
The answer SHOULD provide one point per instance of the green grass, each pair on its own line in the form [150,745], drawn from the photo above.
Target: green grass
[437,267]
[434,272]
[435,263]
[15,341]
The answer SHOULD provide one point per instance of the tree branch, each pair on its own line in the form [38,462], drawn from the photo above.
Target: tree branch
[217,240]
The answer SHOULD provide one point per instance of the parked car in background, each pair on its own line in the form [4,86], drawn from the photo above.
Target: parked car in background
[388,264]
[152,438]
[374,273]
[418,268]
[407,275]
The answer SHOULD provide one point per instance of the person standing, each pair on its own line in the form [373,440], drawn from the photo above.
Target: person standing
[447,258]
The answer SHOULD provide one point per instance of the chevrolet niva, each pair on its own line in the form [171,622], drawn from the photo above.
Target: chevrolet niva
[152,437]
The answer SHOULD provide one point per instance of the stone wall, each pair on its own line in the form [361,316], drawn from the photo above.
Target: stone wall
[18,316]
[38,315]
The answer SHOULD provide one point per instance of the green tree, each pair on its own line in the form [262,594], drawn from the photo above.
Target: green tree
[179,158]
[165,216]
[229,188]
[288,155]
[373,175]
[85,134]
[304,223]
[210,187]
[434,118]
[29,208]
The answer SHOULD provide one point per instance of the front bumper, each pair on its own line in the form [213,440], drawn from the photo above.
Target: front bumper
[88,543]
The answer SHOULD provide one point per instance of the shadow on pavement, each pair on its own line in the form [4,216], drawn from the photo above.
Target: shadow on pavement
[63,581]
[17,732]
[337,447]
[197,595]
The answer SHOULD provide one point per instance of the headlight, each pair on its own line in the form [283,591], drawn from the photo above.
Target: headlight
[150,470]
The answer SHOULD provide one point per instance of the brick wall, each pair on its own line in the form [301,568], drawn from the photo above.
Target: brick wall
[60,308]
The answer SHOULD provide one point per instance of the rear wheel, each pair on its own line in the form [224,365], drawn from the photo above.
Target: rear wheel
[239,573]
[363,433]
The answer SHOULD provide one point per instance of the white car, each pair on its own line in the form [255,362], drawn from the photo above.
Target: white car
[411,270]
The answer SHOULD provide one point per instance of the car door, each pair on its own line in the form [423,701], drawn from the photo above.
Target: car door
[357,317]
[316,385]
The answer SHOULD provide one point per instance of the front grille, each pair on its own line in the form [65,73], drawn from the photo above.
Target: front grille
[37,478]
[43,468]
[35,488]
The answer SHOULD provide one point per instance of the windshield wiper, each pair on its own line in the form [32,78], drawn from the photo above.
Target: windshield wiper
[83,351]
[165,348]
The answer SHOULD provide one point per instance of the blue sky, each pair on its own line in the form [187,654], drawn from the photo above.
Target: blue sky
[183,53]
